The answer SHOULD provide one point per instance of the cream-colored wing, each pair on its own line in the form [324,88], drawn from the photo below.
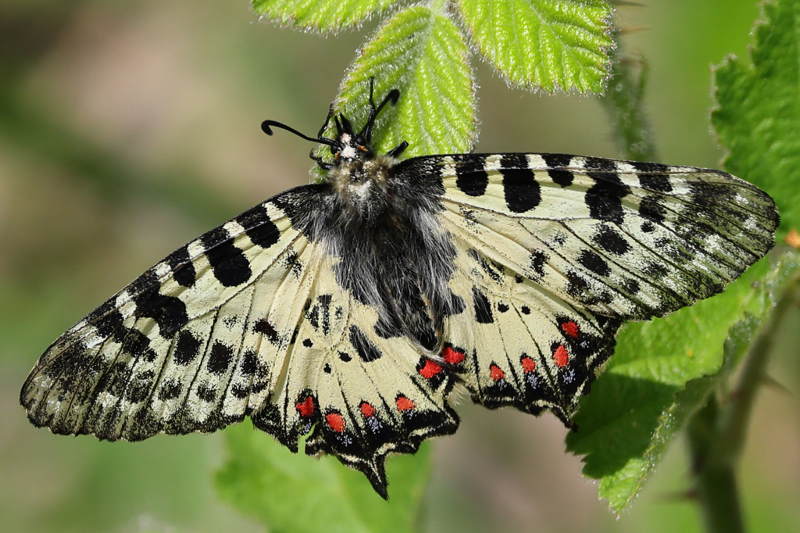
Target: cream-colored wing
[362,395]
[246,320]
[179,349]
[554,250]
[620,238]
[518,344]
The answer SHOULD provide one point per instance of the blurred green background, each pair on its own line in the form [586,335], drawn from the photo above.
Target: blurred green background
[128,128]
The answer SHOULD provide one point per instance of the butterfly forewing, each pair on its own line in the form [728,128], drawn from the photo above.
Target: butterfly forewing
[620,238]
[162,355]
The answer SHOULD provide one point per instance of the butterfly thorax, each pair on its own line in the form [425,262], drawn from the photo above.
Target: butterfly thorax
[362,185]
[391,252]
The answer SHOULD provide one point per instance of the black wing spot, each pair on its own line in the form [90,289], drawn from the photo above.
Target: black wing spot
[263,327]
[632,286]
[604,198]
[538,260]
[220,358]
[249,364]
[594,263]
[365,349]
[231,267]
[556,172]
[258,226]
[206,392]
[183,271]
[483,309]
[654,269]
[522,192]
[655,177]
[651,209]
[600,163]
[109,322]
[187,348]
[471,176]
[576,284]
[611,240]
[138,344]
[239,391]
[138,390]
[169,312]
[170,390]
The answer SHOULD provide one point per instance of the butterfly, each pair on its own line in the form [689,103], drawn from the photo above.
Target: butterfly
[348,310]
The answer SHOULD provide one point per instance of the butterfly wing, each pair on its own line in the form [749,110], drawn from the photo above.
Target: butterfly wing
[174,351]
[364,394]
[248,319]
[519,344]
[556,249]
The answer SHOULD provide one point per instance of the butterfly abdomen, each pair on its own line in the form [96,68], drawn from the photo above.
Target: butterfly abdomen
[391,251]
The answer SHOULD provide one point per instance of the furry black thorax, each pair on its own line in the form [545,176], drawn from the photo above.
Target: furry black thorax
[381,223]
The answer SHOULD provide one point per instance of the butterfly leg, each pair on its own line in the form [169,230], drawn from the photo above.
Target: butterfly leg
[392,97]
[397,150]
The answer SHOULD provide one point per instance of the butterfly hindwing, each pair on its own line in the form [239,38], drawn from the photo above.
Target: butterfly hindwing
[362,395]
[518,344]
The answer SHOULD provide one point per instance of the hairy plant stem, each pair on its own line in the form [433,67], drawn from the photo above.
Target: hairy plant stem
[624,103]
[717,432]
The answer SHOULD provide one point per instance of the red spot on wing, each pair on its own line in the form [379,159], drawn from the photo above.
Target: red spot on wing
[528,364]
[430,369]
[403,403]
[496,372]
[366,409]
[452,356]
[335,421]
[561,356]
[306,407]
[571,329]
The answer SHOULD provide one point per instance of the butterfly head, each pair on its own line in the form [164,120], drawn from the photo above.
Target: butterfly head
[351,149]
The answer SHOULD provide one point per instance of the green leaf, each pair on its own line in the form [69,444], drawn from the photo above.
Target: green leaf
[662,371]
[294,493]
[320,15]
[554,45]
[421,52]
[758,109]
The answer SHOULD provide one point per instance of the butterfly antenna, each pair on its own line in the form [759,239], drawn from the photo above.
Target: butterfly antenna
[392,97]
[267,126]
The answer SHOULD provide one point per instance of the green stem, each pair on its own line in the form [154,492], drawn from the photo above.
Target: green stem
[624,103]
[717,433]
[716,489]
